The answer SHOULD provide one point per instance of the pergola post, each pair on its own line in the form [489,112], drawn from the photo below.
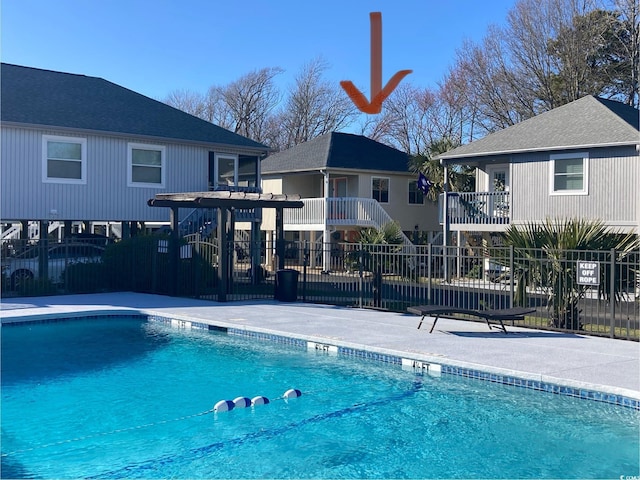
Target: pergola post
[224,201]
[254,252]
[223,255]
[67,229]
[174,251]
[280,237]
[43,245]
[231,228]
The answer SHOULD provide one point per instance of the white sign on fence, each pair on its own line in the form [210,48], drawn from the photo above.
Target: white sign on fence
[588,273]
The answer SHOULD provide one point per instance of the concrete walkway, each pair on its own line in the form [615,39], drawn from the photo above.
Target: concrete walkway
[594,363]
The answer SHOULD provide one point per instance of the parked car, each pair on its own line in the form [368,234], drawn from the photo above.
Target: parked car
[26,265]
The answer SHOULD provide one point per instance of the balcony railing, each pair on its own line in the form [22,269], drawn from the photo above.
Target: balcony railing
[476,208]
[341,211]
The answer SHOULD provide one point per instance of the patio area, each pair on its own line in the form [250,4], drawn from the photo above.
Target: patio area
[565,359]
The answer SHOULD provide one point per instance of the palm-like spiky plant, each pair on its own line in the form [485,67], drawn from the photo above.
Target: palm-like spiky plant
[545,256]
[388,234]
[379,249]
[461,178]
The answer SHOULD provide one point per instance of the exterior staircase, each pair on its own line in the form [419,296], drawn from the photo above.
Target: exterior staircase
[339,212]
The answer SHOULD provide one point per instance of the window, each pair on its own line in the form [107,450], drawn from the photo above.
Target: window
[416,197]
[247,171]
[64,159]
[569,174]
[226,170]
[380,189]
[146,165]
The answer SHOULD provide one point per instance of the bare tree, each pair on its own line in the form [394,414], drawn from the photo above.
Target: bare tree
[187,101]
[217,110]
[458,93]
[530,25]
[549,53]
[314,106]
[248,102]
[275,136]
[406,120]
[376,128]
[496,96]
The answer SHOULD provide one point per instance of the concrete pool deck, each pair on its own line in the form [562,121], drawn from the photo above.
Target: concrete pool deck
[579,361]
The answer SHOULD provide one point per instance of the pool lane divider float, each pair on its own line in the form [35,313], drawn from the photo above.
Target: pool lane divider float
[244,402]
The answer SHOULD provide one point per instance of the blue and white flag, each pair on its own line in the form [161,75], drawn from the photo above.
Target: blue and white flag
[424,184]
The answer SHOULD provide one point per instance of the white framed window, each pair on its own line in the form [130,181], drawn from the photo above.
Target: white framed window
[380,189]
[569,174]
[64,159]
[146,165]
[226,170]
[416,197]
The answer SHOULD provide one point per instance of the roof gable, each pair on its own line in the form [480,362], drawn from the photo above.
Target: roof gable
[337,150]
[42,97]
[586,122]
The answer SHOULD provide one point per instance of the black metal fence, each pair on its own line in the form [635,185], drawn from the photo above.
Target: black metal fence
[593,292]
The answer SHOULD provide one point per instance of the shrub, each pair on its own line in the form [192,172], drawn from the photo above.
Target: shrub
[475,272]
[144,264]
[85,277]
[33,287]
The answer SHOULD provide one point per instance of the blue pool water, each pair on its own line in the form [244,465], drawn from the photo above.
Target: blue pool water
[123,398]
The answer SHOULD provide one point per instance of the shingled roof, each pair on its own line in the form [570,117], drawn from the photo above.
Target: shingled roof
[32,96]
[584,123]
[337,150]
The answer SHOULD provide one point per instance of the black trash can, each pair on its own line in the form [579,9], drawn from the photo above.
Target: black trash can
[286,285]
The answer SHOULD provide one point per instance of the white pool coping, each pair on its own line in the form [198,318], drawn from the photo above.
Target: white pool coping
[581,362]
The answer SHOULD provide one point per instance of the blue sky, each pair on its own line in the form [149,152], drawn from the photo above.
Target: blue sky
[156,46]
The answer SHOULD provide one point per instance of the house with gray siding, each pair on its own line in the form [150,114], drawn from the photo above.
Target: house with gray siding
[580,160]
[76,148]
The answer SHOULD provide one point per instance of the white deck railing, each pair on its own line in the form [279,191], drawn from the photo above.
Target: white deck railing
[341,211]
[361,212]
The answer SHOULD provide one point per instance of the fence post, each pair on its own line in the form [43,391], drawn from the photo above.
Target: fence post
[612,291]
[195,264]
[511,278]
[429,284]
[361,273]
[154,266]
[304,271]
[66,263]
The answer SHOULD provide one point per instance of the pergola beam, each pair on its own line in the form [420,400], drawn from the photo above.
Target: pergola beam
[227,203]
[225,200]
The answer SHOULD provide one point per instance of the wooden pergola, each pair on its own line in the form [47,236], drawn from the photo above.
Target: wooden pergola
[227,203]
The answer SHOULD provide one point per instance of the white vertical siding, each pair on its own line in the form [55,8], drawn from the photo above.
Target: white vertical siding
[106,195]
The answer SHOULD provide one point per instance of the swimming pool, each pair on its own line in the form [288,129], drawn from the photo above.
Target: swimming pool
[122,397]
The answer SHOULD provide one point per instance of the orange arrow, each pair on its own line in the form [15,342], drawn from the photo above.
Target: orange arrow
[378,94]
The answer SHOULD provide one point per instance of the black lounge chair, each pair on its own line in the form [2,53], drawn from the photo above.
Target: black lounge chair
[496,316]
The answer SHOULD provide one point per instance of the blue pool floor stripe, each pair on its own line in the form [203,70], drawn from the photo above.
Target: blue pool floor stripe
[156,464]
[12,453]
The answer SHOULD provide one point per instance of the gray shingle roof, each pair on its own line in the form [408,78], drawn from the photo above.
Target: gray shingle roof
[337,150]
[587,122]
[42,97]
